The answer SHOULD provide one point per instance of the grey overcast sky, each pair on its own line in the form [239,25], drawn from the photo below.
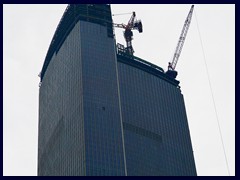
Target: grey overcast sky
[27,33]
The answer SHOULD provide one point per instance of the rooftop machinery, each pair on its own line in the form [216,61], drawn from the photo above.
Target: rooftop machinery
[128,34]
[171,66]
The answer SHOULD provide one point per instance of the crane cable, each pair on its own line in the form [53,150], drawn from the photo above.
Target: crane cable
[121,14]
[219,128]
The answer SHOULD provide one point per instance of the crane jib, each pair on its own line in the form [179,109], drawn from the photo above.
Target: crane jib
[172,65]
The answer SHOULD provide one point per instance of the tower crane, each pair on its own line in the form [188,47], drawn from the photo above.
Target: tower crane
[171,66]
[128,34]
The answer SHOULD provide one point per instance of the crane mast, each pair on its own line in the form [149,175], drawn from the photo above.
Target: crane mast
[181,41]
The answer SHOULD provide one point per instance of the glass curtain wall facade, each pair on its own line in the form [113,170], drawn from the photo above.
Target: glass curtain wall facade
[80,130]
[156,133]
[104,113]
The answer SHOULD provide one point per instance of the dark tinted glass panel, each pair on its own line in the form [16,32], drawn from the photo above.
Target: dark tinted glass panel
[156,135]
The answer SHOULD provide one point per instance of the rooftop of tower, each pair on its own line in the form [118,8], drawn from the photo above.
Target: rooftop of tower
[124,57]
[99,14]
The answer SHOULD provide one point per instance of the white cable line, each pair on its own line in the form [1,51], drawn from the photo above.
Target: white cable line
[121,14]
[219,128]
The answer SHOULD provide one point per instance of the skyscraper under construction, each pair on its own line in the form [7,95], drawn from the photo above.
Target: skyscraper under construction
[103,111]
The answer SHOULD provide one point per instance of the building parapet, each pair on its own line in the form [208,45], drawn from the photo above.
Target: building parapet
[124,57]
